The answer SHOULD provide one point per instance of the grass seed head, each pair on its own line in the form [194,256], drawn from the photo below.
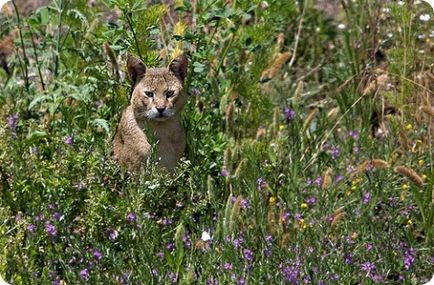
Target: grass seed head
[410,174]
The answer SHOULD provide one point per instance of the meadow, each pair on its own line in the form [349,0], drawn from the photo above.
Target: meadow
[309,144]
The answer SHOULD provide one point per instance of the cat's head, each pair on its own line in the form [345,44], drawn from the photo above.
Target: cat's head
[158,93]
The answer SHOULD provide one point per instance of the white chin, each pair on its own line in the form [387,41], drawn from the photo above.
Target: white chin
[156,116]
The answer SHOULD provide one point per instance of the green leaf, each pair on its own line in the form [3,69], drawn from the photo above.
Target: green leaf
[103,124]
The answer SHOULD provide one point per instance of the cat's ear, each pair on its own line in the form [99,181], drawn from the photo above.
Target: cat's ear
[136,69]
[179,66]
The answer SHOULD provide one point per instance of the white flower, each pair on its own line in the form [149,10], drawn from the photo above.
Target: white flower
[205,236]
[424,17]
[341,26]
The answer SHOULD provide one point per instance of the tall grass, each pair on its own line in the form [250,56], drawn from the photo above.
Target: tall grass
[294,173]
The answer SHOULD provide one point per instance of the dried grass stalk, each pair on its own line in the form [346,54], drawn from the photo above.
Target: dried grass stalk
[276,65]
[310,118]
[410,174]
[327,178]
[428,110]
[368,164]
[333,113]
[240,168]
[235,213]
[337,218]
[379,163]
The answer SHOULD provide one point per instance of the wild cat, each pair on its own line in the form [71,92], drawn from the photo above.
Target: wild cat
[156,103]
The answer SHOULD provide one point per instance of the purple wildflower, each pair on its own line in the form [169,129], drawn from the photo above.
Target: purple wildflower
[50,229]
[409,258]
[269,239]
[261,183]
[224,173]
[335,152]
[335,277]
[155,272]
[241,281]
[368,266]
[377,278]
[289,114]
[311,201]
[187,241]
[31,228]
[39,217]
[285,216]
[354,134]
[290,273]
[339,178]
[227,266]
[348,259]
[318,180]
[366,198]
[248,254]
[13,124]
[69,140]
[113,234]
[173,277]
[97,254]
[85,274]
[268,252]
[245,203]
[298,217]
[131,217]
[170,247]
[56,216]
[53,206]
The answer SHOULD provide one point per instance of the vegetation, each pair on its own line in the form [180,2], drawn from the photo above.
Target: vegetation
[310,145]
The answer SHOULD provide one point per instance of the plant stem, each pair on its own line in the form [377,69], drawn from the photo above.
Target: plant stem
[37,61]
[134,34]
[26,60]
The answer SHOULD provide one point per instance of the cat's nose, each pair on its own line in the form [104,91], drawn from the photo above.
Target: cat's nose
[160,109]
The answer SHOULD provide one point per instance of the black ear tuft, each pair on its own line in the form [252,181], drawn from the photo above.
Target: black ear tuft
[136,69]
[179,66]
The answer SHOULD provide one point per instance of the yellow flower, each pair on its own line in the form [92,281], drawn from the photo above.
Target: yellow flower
[421,162]
[281,127]
[405,186]
[409,126]
[272,200]
[303,224]
[403,194]
[179,29]
[303,205]
[356,181]
[354,187]
[409,222]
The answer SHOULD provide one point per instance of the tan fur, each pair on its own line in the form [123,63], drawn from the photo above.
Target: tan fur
[160,113]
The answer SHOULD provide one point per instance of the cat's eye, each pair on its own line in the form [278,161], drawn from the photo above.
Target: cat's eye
[169,93]
[149,94]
